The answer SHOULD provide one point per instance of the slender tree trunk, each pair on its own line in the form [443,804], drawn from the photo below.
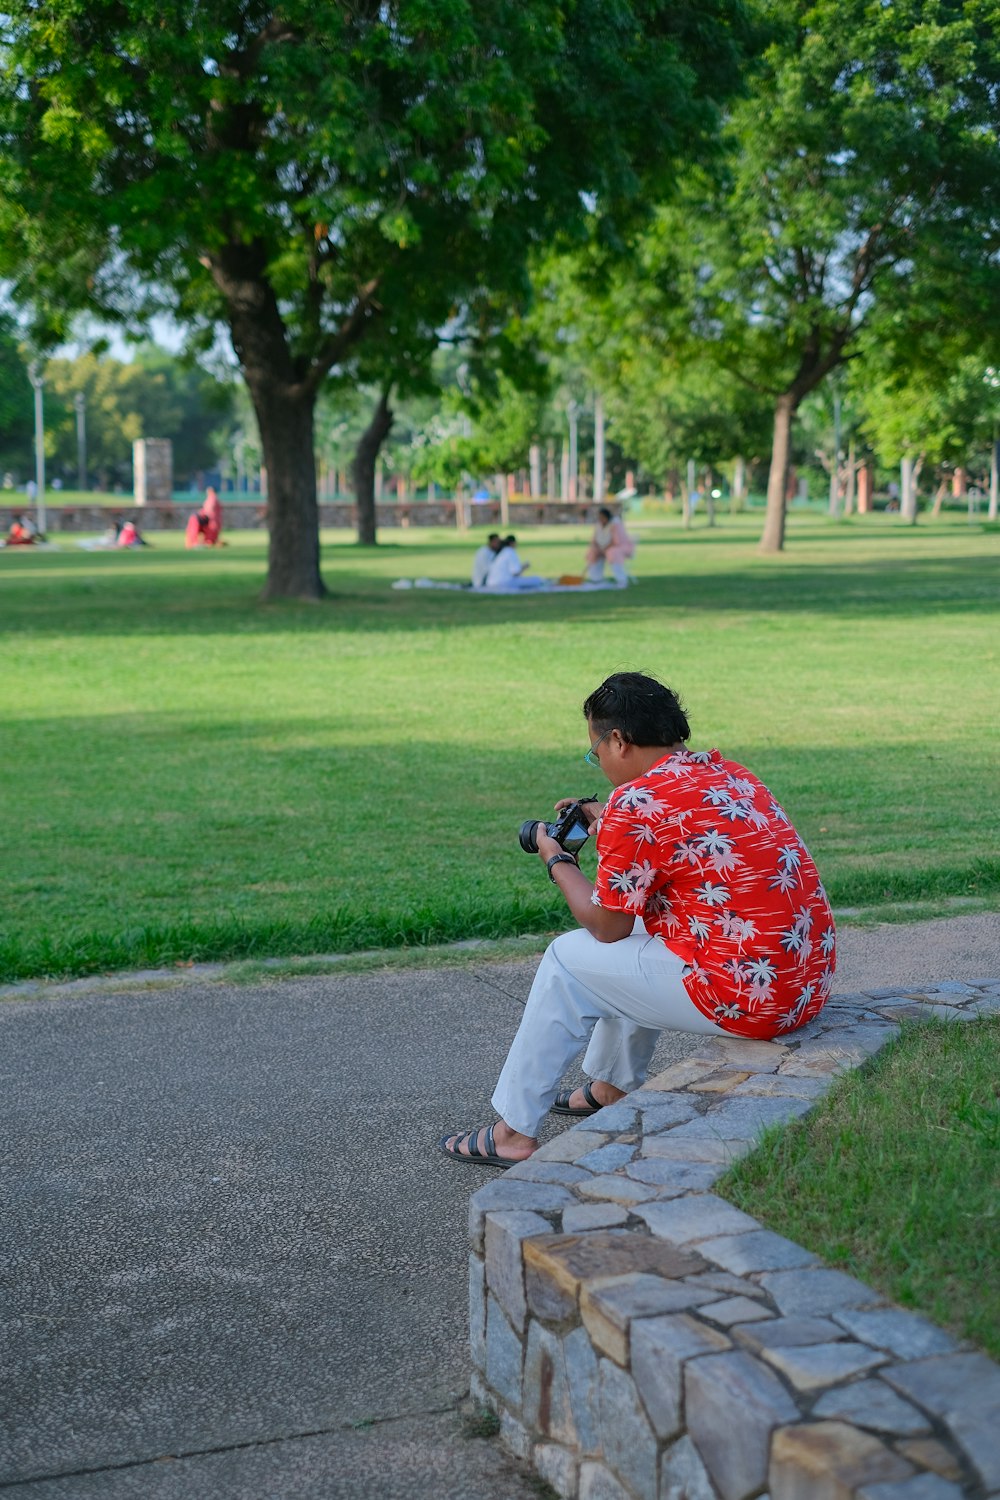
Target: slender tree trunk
[285,419]
[365,459]
[773,538]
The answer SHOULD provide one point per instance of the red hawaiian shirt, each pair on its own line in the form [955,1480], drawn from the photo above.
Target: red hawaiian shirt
[701,851]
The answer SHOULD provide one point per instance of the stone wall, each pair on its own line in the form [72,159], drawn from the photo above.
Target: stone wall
[252,515]
[642,1339]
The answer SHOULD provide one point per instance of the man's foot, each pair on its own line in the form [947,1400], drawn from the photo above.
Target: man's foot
[494,1145]
[588,1099]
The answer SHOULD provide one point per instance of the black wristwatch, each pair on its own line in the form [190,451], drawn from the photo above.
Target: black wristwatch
[559,859]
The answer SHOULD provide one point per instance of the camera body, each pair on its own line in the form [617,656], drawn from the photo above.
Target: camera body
[570,830]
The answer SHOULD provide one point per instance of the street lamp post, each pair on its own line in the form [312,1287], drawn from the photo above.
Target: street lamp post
[38,381]
[80,406]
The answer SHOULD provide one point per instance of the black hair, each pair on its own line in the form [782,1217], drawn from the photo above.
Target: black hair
[510,540]
[494,536]
[642,710]
[605,512]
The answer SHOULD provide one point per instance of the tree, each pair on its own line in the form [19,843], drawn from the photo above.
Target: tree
[307,172]
[860,190]
[16,404]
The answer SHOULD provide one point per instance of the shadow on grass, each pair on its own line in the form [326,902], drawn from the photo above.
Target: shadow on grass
[172,599]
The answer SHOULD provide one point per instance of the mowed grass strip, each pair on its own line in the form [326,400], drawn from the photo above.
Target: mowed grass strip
[895,1176]
[193,775]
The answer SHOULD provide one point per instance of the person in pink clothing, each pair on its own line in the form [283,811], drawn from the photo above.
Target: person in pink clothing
[609,544]
[212,508]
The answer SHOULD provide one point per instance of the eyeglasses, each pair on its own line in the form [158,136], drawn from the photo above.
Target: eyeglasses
[591,756]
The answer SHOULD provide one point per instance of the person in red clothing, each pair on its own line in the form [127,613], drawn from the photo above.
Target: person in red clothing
[707,915]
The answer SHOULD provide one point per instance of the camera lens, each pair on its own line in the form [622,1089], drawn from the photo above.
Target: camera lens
[528,836]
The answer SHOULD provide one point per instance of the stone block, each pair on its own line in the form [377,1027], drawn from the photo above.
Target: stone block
[613,1119]
[920,1487]
[679,1075]
[733,1310]
[583,1382]
[779,1085]
[596,1483]
[738,1052]
[593,1216]
[514,1435]
[558,1467]
[732,1404]
[781,1333]
[505,1233]
[546,1406]
[563,1173]
[676,1110]
[813,1367]
[568,1146]
[627,1439]
[829,1461]
[510,1192]
[503,1355]
[721,1082]
[557,1265]
[683,1476]
[741,1119]
[701,1216]
[725,1284]
[963,1391]
[691,1150]
[617,1190]
[660,1349]
[904,1334]
[606,1158]
[816,1293]
[869,1403]
[675,1177]
[757,1250]
[477,1312]
[930,1453]
[608,1308]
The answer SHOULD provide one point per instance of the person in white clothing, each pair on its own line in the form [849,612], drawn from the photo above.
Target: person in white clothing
[484,558]
[507,570]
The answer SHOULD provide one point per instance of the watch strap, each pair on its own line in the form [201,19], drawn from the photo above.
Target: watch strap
[559,859]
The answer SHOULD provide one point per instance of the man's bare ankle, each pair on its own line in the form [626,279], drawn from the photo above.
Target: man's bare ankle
[606,1092]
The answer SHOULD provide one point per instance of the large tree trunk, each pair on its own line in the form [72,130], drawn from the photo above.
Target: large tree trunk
[365,459]
[773,538]
[285,419]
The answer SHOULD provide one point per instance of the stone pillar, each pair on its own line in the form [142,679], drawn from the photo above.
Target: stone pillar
[153,471]
[865,487]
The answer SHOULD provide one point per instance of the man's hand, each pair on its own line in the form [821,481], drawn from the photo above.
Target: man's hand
[592,809]
[605,926]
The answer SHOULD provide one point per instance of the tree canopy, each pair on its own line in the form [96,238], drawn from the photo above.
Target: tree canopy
[305,174]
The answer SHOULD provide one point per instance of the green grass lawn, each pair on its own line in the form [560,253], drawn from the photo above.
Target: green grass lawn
[895,1176]
[192,774]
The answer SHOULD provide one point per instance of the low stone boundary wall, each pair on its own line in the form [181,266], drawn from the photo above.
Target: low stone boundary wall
[249,515]
[640,1338]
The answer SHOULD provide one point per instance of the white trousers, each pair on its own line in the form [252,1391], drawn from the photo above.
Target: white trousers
[621,995]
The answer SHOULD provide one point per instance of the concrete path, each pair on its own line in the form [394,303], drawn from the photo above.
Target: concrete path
[232,1262]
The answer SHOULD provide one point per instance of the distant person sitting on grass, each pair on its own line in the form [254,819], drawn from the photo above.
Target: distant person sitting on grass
[212,508]
[195,534]
[707,915]
[484,558]
[507,570]
[130,536]
[611,544]
[21,534]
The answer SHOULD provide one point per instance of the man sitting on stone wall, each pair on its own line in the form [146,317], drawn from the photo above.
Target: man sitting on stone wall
[706,915]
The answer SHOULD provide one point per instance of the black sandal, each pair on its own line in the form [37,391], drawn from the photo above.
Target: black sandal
[562,1104]
[470,1140]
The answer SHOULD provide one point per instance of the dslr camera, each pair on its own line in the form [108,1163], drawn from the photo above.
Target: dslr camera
[570,830]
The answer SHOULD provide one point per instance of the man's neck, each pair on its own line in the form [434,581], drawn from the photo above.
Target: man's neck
[639,759]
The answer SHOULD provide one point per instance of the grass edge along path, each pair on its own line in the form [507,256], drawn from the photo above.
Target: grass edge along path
[894,1177]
